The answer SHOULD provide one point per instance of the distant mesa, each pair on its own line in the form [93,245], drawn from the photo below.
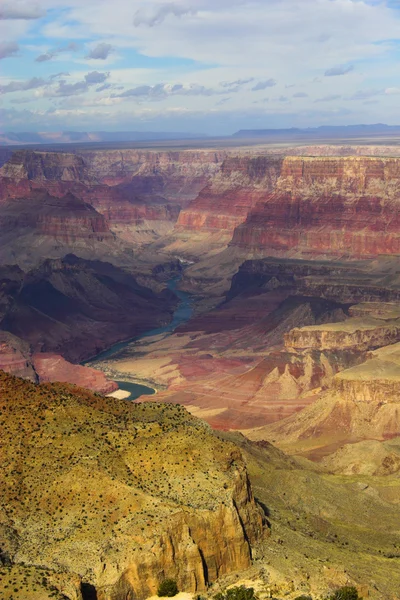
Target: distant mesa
[322,131]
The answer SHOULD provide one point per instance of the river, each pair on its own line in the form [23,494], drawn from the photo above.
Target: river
[181,315]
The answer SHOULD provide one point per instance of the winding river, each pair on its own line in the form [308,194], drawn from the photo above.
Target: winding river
[181,315]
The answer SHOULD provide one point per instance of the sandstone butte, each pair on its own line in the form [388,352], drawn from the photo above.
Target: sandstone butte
[118,495]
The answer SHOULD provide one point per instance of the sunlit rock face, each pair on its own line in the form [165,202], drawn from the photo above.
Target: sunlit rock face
[336,206]
[123,495]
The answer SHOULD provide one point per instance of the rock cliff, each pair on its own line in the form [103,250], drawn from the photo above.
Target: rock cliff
[15,357]
[323,207]
[138,193]
[122,495]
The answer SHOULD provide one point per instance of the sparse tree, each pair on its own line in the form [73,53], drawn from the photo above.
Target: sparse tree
[346,593]
[167,588]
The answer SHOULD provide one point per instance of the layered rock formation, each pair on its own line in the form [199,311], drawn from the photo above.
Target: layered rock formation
[361,402]
[267,352]
[138,194]
[122,495]
[16,358]
[223,204]
[328,207]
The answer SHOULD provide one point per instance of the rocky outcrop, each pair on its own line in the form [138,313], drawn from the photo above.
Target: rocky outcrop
[347,282]
[121,494]
[53,367]
[139,193]
[15,357]
[353,334]
[362,403]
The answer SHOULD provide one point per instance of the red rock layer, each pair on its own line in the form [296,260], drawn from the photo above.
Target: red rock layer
[66,219]
[328,206]
[53,367]
[126,186]
[15,357]
[225,202]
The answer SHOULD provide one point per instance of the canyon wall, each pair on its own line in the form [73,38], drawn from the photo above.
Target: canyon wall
[198,201]
[339,206]
[224,203]
[100,204]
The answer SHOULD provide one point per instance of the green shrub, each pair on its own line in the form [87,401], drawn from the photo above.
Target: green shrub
[168,588]
[346,593]
[237,593]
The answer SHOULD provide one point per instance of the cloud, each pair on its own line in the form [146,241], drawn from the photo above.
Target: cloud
[8,49]
[143,17]
[263,85]
[328,98]
[72,47]
[365,94]
[340,70]
[68,89]
[64,89]
[237,83]
[222,101]
[95,77]
[56,75]
[100,52]
[161,91]
[28,11]
[300,95]
[22,86]
[44,57]
[392,91]
[104,87]
[143,91]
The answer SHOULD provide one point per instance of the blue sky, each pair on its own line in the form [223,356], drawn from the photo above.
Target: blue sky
[209,66]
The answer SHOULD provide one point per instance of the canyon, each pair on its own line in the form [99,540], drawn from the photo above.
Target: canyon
[272,242]
[290,258]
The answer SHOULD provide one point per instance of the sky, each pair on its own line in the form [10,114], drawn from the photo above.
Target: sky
[200,66]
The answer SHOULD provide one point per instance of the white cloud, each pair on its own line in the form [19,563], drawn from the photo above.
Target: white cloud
[263,85]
